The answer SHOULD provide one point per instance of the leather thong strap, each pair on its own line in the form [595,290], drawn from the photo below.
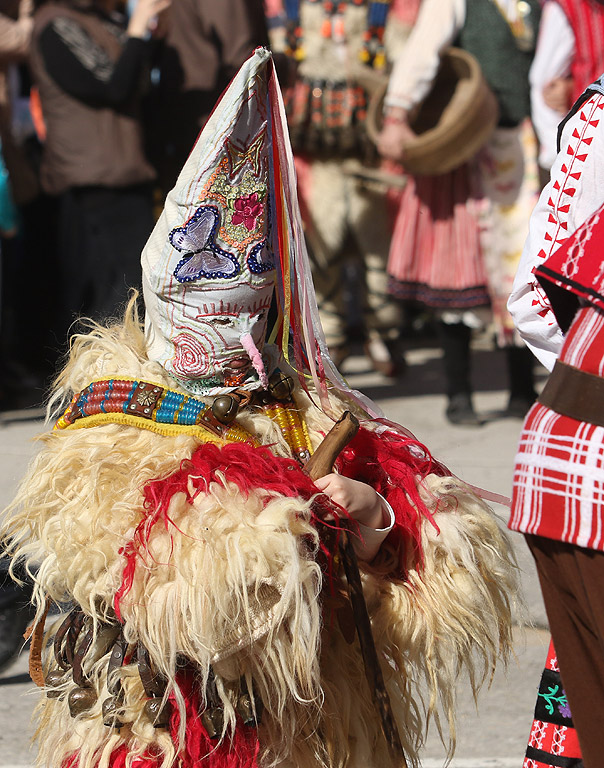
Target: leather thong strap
[574,393]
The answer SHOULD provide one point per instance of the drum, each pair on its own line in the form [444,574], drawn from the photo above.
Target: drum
[453,122]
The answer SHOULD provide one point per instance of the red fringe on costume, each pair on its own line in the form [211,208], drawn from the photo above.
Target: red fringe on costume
[393,465]
[387,462]
[272,476]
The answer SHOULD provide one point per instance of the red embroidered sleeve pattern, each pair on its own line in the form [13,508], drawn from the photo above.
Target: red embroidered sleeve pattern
[575,152]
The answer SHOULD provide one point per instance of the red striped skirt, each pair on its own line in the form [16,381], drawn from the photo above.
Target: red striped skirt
[435,256]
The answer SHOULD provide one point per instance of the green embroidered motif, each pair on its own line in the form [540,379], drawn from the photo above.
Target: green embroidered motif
[245,203]
[247,186]
[551,698]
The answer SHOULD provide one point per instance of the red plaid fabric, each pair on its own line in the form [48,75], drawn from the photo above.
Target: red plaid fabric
[559,471]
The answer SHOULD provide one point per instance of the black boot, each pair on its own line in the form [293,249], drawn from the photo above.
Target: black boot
[16,613]
[455,342]
[520,363]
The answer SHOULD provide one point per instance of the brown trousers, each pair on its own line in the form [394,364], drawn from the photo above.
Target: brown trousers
[572,582]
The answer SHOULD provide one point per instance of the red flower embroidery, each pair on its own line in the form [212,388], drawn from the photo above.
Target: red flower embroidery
[247,210]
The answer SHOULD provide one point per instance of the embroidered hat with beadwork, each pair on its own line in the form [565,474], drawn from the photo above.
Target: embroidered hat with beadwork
[208,268]
[231,233]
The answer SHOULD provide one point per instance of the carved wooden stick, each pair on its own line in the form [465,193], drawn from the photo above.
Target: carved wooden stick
[319,465]
[322,461]
[373,671]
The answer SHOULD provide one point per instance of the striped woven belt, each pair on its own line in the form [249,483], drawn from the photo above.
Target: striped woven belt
[150,406]
[575,393]
[135,398]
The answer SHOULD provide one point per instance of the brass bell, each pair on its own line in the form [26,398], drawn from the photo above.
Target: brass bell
[54,680]
[80,700]
[280,386]
[225,409]
[212,720]
[158,715]
[111,707]
[245,710]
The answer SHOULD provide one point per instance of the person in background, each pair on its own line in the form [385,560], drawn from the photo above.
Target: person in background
[569,56]
[15,33]
[206,43]
[558,306]
[457,237]
[334,49]
[89,68]
[19,185]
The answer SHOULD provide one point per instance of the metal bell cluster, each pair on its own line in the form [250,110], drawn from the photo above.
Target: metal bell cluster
[212,718]
[73,645]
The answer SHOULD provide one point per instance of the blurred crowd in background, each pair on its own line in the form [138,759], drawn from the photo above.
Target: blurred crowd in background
[101,102]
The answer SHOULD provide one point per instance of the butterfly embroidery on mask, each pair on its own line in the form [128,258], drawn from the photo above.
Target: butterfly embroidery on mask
[203,258]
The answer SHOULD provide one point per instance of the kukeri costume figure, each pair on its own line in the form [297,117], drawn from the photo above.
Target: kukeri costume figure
[169,507]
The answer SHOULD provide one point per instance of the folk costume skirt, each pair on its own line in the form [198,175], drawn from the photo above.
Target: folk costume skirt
[435,253]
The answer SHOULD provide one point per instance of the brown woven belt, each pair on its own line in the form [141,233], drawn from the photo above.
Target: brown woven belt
[575,393]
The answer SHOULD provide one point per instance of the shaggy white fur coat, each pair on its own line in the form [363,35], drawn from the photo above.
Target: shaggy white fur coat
[233,583]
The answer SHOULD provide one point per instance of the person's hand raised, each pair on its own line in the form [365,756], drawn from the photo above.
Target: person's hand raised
[146,17]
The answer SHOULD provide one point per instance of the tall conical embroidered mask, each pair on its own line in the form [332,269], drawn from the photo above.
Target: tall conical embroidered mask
[230,239]
[208,268]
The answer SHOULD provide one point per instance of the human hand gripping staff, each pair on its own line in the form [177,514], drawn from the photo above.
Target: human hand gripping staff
[319,468]
[170,511]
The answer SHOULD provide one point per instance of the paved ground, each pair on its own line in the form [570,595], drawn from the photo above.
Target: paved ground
[496,736]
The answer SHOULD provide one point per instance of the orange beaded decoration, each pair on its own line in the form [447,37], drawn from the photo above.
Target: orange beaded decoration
[292,428]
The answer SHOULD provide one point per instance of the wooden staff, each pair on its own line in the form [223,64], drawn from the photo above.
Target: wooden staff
[321,464]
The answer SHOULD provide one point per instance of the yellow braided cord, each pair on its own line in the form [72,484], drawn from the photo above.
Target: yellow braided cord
[171,430]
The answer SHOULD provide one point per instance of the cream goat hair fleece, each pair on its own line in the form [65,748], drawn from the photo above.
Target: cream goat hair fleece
[238,587]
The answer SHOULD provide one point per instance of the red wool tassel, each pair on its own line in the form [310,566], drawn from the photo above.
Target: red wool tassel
[392,464]
[251,469]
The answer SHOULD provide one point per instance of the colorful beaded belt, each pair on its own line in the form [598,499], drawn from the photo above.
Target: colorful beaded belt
[149,406]
[137,398]
[165,411]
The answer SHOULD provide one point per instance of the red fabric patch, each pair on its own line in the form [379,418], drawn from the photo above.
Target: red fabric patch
[559,468]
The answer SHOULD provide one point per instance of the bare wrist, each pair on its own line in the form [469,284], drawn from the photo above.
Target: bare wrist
[396,115]
[375,519]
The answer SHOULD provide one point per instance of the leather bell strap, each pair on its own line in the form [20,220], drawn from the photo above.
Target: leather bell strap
[574,393]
